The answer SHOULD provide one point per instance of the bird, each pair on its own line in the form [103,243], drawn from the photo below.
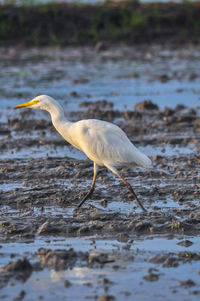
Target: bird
[104,143]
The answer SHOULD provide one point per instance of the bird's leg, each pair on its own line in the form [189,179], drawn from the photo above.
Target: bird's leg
[91,188]
[129,187]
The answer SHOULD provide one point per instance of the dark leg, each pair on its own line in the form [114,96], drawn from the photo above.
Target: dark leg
[91,188]
[129,187]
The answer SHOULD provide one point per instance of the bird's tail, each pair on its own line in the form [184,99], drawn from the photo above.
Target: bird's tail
[143,160]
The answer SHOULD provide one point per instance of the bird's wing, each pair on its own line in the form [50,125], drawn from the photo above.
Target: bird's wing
[105,143]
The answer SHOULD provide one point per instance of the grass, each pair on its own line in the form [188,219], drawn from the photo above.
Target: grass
[77,24]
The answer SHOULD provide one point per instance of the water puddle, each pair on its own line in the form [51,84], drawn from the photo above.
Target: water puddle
[154,244]
[107,78]
[10,186]
[122,278]
[71,152]
[43,151]
[46,211]
[160,244]
[122,207]
[166,150]
[89,284]
[169,204]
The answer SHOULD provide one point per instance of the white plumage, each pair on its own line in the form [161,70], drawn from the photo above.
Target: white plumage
[103,142]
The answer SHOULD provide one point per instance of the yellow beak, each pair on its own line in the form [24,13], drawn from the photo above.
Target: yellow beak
[27,104]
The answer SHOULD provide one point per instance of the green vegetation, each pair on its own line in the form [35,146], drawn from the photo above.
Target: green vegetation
[27,2]
[20,2]
[138,19]
[192,18]
[67,24]
[157,18]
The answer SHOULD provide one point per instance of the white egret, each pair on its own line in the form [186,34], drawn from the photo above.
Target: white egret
[103,142]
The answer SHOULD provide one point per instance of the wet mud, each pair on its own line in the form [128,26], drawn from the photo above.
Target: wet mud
[169,191]
[109,249]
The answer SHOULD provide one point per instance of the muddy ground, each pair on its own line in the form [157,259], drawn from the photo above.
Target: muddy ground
[109,249]
[50,182]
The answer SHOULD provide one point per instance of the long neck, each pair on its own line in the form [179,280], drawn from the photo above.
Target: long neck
[59,121]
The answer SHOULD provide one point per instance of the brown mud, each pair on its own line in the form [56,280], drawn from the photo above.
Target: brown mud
[109,249]
[48,189]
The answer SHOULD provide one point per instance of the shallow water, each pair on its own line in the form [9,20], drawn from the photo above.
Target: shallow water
[41,183]
[123,81]
[126,280]
[47,151]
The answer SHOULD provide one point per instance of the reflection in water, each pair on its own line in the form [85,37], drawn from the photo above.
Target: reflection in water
[125,274]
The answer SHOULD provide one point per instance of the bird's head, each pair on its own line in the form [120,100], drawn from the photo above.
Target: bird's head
[42,102]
